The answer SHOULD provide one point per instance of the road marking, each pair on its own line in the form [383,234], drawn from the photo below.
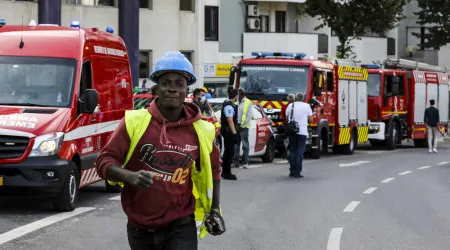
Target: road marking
[334,240]
[351,206]
[424,167]
[254,166]
[343,165]
[387,180]
[115,198]
[282,162]
[405,173]
[26,229]
[370,190]
[443,163]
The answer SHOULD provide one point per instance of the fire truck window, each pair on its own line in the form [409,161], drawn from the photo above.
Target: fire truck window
[388,85]
[330,82]
[85,83]
[374,85]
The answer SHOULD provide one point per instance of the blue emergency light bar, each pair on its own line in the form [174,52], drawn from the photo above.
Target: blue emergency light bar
[2,22]
[109,29]
[75,24]
[283,54]
[371,66]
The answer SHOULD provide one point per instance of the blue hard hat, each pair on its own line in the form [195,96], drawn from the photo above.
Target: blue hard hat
[173,61]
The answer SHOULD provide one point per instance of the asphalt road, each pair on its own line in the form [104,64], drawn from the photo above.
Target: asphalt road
[373,199]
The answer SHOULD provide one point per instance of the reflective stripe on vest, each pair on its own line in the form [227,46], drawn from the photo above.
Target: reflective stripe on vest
[137,121]
[247,103]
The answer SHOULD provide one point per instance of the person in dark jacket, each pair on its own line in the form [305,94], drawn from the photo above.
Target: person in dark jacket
[228,130]
[431,119]
[200,101]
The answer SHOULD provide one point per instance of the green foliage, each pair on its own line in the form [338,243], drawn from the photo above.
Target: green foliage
[352,19]
[435,14]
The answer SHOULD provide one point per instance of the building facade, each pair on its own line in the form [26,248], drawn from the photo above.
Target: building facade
[149,27]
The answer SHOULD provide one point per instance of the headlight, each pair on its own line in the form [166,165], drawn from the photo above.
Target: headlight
[48,144]
[374,127]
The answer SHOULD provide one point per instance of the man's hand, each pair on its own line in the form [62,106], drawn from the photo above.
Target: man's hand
[141,178]
[214,223]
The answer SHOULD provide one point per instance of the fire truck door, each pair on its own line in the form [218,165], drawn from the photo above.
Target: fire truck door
[443,102]
[343,102]
[353,99]
[362,102]
[420,101]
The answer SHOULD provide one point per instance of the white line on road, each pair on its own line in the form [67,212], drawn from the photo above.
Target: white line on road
[387,180]
[405,173]
[26,229]
[343,165]
[370,190]
[282,162]
[334,240]
[254,166]
[115,198]
[351,206]
[443,163]
[424,167]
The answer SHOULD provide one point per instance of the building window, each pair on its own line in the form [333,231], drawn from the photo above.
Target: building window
[211,23]
[189,55]
[187,5]
[146,4]
[323,43]
[265,23]
[391,46]
[145,63]
[280,21]
[110,3]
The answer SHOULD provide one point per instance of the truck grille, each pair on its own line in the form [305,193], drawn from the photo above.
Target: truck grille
[12,147]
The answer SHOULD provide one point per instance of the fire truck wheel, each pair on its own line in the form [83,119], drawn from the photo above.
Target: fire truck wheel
[112,188]
[66,200]
[349,149]
[391,142]
[269,155]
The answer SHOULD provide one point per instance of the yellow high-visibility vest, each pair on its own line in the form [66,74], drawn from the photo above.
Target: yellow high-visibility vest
[247,103]
[137,121]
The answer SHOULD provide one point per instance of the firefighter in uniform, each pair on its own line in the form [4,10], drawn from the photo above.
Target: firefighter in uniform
[228,122]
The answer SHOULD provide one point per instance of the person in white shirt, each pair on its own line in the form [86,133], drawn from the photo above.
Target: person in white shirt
[302,115]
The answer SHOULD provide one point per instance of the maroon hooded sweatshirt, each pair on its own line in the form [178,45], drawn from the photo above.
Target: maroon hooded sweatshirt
[167,149]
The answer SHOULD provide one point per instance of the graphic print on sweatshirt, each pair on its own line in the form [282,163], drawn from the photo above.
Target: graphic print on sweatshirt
[170,164]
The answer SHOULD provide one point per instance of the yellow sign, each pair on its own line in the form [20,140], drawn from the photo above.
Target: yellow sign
[353,73]
[1,180]
[223,69]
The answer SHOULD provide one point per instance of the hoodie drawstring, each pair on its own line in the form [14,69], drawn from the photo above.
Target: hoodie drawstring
[164,138]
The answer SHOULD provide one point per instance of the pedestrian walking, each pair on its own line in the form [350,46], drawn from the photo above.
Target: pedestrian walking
[245,115]
[228,121]
[300,114]
[167,162]
[431,119]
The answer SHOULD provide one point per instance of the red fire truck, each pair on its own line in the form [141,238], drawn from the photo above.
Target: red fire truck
[336,91]
[399,92]
[63,92]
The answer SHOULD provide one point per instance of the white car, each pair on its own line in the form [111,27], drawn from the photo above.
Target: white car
[261,135]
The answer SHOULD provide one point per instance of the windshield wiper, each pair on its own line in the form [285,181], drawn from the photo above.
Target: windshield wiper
[23,104]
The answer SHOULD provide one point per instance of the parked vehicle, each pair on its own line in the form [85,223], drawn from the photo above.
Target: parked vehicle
[261,134]
[399,92]
[64,91]
[335,89]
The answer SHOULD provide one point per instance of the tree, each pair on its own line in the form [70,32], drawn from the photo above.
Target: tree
[435,14]
[351,19]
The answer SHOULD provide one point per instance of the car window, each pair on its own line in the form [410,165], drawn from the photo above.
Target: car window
[257,113]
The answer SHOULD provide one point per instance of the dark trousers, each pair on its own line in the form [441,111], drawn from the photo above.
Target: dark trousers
[297,144]
[179,235]
[227,158]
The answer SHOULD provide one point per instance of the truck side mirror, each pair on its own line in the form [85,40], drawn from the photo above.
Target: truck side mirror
[89,101]
[395,86]
[232,76]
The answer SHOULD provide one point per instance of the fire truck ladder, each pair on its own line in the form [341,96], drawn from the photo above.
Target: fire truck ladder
[344,62]
[412,65]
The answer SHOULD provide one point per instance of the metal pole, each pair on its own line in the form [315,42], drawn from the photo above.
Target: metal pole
[49,12]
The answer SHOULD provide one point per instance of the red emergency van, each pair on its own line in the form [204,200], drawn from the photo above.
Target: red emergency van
[63,92]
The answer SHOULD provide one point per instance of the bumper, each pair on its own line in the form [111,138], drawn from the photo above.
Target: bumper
[377,130]
[36,176]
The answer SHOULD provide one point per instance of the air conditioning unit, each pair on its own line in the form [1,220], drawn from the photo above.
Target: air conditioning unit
[253,10]
[254,23]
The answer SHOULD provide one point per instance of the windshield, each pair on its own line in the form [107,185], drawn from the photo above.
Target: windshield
[274,82]
[373,85]
[36,81]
